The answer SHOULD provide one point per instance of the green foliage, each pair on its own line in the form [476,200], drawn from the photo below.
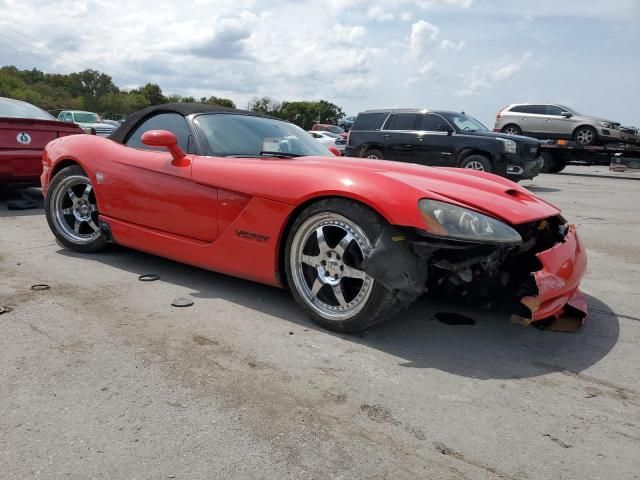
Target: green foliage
[303,114]
[87,90]
[95,91]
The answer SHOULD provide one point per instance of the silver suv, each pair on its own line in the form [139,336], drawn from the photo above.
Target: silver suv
[552,121]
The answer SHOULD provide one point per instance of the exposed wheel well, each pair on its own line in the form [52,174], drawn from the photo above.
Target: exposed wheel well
[62,164]
[371,146]
[282,242]
[467,152]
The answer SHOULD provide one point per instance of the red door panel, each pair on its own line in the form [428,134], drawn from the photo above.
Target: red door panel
[145,189]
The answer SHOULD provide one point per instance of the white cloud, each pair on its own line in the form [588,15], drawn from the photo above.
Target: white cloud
[348,35]
[424,35]
[449,45]
[426,72]
[484,77]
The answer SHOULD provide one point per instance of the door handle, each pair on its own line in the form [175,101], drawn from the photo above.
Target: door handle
[386,135]
[420,139]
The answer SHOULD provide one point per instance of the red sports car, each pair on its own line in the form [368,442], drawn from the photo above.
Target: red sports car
[354,239]
[24,131]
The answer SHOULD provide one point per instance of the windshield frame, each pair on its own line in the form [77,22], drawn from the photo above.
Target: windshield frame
[204,146]
[450,118]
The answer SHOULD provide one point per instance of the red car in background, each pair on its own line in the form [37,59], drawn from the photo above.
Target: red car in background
[24,131]
[325,127]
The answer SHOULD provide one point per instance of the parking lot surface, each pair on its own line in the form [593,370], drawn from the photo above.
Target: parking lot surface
[101,377]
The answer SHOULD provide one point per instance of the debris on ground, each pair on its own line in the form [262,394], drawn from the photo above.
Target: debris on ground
[149,277]
[39,287]
[4,309]
[182,302]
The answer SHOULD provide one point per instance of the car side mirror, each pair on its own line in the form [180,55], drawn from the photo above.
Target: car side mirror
[566,114]
[449,130]
[164,138]
[334,150]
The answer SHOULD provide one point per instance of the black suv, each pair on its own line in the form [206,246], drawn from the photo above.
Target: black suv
[445,139]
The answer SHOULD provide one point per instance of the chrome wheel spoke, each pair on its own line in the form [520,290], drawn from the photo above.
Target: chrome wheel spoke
[322,243]
[351,272]
[72,196]
[87,191]
[76,226]
[67,211]
[310,260]
[337,291]
[317,285]
[344,244]
[93,225]
[93,208]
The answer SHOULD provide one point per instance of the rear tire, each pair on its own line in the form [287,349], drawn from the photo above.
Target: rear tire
[512,129]
[477,162]
[374,154]
[585,135]
[72,211]
[325,249]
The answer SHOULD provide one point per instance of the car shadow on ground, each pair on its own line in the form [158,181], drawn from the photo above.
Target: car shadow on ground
[20,200]
[487,346]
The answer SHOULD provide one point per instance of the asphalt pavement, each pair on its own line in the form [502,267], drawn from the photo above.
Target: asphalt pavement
[100,377]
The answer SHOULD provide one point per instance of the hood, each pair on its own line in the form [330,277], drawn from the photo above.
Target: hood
[590,119]
[517,138]
[481,191]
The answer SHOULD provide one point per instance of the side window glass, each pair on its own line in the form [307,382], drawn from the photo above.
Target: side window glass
[518,109]
[402,121]
[536,109]
[172,122]
[554,110]
[433,123]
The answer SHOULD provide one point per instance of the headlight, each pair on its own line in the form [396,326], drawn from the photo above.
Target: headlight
[509,145]
[605,124]
[458,223]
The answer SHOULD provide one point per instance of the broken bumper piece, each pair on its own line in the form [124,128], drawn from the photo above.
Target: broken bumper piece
[559,304]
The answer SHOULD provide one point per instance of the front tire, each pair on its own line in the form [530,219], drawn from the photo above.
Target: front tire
[325,249]
[586,135]
[72,211]
[477,162]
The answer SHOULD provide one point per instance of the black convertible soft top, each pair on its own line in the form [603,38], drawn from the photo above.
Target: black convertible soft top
[122,132]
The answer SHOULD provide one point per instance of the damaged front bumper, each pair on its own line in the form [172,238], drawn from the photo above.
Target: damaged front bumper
[538,280]
[559,300]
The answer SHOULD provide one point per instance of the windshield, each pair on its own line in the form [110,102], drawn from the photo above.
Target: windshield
[465,123]
[246,135]
[17,109]
[85,117]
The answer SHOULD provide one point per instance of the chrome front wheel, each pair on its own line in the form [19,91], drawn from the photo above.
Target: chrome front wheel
[326,249]
[326,256]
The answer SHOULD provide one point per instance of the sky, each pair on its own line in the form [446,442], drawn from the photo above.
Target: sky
[475,56]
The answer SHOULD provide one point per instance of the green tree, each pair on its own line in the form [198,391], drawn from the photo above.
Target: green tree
[223,102]
[152,92]
[265,105]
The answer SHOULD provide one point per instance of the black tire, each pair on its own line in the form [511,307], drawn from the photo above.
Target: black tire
[378,304]
[512,129]
[557,166]
[477,162]
[585,135]
[92,239]
[374,153]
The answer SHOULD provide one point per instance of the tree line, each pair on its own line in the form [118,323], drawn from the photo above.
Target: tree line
[95,91]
